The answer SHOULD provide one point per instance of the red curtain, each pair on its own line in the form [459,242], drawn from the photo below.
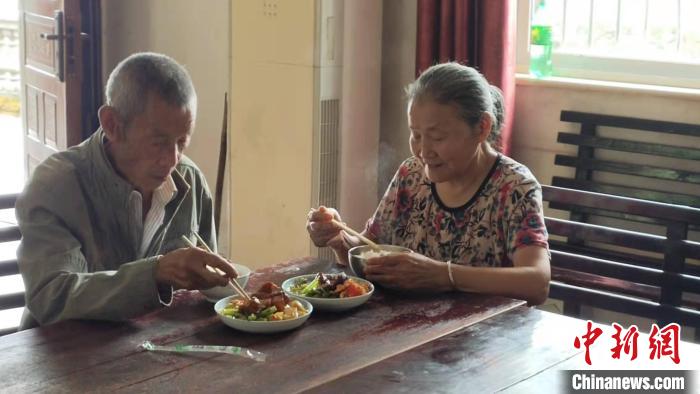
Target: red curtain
[478,33]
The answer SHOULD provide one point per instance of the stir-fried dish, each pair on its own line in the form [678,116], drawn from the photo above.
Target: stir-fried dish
[330,286]
[269,303]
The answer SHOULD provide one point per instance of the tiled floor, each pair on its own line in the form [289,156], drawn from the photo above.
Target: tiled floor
[11,181]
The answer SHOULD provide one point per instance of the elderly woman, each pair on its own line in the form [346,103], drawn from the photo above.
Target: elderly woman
[472,215]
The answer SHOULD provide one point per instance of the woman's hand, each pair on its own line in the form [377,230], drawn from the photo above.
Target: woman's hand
[324,232]
[321,228]
[408,271]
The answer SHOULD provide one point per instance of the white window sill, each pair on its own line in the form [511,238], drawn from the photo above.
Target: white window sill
[607,86]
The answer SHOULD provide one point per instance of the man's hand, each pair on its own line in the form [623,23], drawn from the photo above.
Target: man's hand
[186,268]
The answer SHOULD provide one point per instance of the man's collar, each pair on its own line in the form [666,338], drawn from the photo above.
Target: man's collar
[166,192]
[181,185]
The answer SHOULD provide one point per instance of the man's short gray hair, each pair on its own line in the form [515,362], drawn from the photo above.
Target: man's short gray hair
[142,74]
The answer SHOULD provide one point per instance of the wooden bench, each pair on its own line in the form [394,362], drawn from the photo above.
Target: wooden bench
[9,267]
[600,159]
[653,276]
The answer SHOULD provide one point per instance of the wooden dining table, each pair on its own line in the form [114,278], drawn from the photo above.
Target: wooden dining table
[397,342]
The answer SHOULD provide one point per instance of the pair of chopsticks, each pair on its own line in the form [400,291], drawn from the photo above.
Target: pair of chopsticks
[364,239]
[233,283]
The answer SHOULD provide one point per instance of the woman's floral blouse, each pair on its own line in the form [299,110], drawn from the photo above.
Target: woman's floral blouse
[504,214]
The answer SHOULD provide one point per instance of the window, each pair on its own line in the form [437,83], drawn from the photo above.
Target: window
[640,41]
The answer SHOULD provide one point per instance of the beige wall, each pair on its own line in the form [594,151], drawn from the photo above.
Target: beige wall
[398,70]
[196,36]
[278,81]
[360,110]
[272,123]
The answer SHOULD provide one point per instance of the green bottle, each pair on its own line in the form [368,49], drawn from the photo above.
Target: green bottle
[540,42]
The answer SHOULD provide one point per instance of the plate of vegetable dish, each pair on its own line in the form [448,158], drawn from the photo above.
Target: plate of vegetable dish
[330,292]
[269,310]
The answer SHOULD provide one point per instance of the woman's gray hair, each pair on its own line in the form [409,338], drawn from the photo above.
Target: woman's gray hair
[465,88]
[499,113]
[142,74]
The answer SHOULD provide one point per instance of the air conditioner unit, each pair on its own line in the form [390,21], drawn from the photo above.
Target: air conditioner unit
[285,124]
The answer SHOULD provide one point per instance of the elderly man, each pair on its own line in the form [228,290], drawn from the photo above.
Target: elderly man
[102,222]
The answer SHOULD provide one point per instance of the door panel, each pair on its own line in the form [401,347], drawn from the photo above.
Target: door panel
[41,50]
[52,69]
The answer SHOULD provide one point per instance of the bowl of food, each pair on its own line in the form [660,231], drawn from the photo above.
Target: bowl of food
[330,292]
[269,310]
[358,256]
[216,293]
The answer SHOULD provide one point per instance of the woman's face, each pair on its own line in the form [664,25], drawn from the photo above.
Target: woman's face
[444,143]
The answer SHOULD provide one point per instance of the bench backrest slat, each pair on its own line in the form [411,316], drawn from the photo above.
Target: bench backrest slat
[588,265]
[598,168]
[623,271]
[8,201]
[626,191]
[660,126]
[647,148]
[596,233]
[669,174]
[12,300]
[10,233]
[650,209]
[9,267]
[625,304]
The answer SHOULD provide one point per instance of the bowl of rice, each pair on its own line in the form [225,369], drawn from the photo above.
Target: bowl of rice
[358,256]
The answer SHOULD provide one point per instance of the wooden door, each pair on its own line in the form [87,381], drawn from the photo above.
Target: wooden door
[53,65]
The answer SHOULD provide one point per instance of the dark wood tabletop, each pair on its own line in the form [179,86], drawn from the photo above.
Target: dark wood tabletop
[523,350]
[396,342]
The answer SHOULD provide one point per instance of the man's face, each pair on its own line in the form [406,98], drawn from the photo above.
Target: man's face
[146,151]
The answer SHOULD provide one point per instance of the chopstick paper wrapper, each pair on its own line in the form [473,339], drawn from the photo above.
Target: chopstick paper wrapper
[232,350]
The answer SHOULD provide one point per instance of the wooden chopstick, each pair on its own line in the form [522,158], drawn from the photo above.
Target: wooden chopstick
[233,283]
[355,233]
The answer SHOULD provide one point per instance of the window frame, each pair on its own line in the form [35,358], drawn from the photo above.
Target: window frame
[604,69]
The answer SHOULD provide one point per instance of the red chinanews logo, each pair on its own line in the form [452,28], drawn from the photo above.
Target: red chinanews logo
[662,342]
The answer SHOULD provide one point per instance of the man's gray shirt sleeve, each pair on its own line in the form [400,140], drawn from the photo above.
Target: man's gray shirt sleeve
[79,254]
